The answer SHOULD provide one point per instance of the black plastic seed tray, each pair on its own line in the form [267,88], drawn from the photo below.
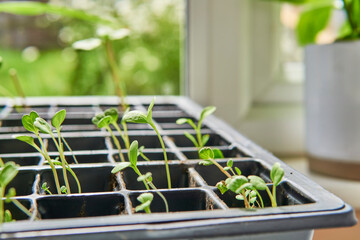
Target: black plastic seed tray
[105,209]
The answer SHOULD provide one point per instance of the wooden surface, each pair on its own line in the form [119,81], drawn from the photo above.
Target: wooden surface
[351,233]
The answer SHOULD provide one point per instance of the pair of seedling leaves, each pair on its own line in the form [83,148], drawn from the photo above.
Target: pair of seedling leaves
[245,187]
[200,140]
[35,124]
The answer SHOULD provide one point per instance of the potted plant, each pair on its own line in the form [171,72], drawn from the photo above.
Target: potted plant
[331,88]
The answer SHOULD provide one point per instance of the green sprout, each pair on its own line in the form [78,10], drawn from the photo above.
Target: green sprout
[103,120]
[7,173]
[139,117]
[246,188]
[146,179]
[33,123]
[200,140]
[145,199]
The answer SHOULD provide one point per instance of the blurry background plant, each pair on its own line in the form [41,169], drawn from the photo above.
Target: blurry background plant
[149,58]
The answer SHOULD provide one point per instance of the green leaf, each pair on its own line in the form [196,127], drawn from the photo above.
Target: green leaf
[312,20]
[11,193]
[7,216]
[239,197]
[206,112]
[104,122]
[222,187]
[42,125]
[191,138]
[119,167]
[276,174]
[58,118]
[44,186]
[87,44]
[1,62]
[236,183]
[186,120]
[257,182]
[218,153]
[145,199]
[237,170]
[181,121]
[8,173]
[230,163]
[146,176]
[133,152]
[63,189]
[135,117]
[227,168]
[29,140]
[149,111]
[95,120]
[204,139]
[29,8]
[28,123]
[206,153]
[206,163]
[113,113]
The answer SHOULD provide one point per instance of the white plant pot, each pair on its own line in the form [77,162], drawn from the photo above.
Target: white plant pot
[333,108]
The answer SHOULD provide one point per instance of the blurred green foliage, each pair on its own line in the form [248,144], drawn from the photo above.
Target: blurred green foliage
[149,58]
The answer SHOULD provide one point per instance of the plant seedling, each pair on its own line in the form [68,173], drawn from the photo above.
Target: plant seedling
[7,173]
[139,117]
[200,140]
[246,188]
[145,199]
[146,179]
[33,123]
[110,117]
[102,121]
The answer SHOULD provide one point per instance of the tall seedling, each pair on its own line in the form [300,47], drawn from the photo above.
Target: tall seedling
[139,117]
[144,198]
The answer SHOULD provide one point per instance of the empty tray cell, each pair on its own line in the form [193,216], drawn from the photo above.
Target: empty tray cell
[16,213]
[286,195]
[15,122]
[99,179]
[40,109]
[77,121]
[51,207]
[81,143]
[178,173]
[163,107]
[76,108]
[152,156]
[148,141]
[214,140]
[228,153]
[212,175]
[11,145]
[23,161]
[87,158]
[178,201]
[23,182]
